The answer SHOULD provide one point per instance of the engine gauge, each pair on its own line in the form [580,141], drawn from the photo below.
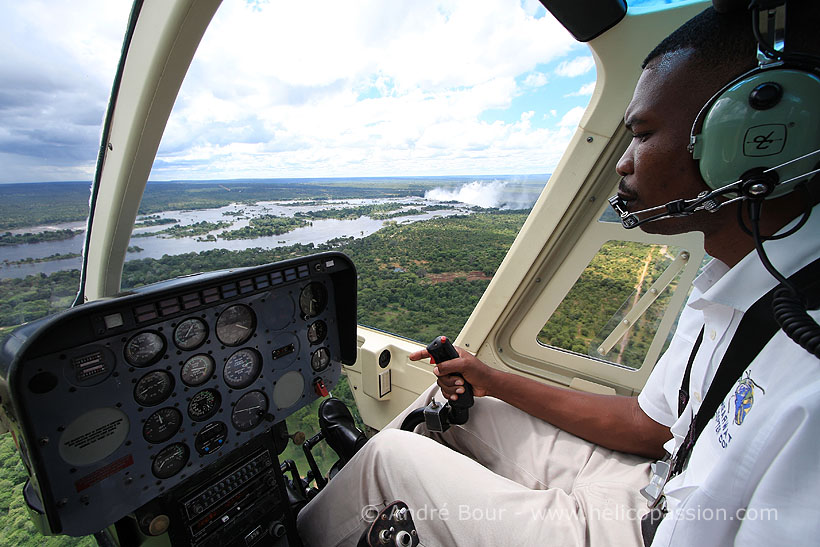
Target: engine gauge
[235,325]
[211,438]
[313,300]
[197,370]
[249,410]
[162,425]
[170,460]
[144,348]
[320,359]
[190,334]
[317,331]
[242,368]
[153,388]
[204,404]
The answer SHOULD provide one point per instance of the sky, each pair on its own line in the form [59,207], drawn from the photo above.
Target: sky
[304,89]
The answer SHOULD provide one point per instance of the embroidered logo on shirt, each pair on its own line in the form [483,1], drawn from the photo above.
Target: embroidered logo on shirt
[745,397]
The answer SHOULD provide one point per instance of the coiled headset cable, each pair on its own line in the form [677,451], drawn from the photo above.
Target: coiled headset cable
[789,306]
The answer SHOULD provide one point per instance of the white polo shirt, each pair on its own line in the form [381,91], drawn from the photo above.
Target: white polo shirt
[754,474]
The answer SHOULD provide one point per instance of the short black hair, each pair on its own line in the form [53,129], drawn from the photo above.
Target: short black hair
[726,41]
[718,40]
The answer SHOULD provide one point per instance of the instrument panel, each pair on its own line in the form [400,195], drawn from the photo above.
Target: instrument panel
[114,403]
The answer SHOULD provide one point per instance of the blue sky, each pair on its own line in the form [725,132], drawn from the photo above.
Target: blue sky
[298,89]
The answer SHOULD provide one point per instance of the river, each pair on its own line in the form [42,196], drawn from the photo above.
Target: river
[237,214]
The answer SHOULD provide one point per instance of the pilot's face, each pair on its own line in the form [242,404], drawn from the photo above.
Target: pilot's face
[657,166]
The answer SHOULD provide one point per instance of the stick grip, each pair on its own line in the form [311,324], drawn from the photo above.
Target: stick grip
[441,350]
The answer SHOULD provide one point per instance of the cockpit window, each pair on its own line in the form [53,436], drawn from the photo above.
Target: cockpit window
[56,70]
[614,309]
[410,137]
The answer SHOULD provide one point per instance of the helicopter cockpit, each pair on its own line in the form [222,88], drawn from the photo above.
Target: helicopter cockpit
[157,415]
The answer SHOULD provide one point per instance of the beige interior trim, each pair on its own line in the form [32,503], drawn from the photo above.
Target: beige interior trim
[165,39]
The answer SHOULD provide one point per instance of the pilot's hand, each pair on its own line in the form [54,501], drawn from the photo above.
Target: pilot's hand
[480,376]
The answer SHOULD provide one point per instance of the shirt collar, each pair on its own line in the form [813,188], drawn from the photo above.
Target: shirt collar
[742,285]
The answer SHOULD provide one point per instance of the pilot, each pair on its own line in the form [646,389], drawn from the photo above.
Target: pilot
[541,465]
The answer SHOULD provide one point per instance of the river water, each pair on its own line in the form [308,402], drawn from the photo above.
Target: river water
[238,215]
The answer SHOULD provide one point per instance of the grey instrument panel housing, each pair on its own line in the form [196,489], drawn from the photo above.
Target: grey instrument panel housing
[78,406]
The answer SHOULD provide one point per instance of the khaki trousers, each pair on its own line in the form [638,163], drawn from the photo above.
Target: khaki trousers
[504,478]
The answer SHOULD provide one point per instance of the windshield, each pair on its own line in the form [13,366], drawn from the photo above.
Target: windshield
[372,129]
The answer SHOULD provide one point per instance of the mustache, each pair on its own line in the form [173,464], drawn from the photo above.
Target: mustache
[624,190]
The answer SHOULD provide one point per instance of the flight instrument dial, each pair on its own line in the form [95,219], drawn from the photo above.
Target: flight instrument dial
[204,404]
[162,425]
[190,334]
[313,300]
[144,348]
[153,388]
[235,325]
[242,368]
[197,370]
[249,410]
[170,460]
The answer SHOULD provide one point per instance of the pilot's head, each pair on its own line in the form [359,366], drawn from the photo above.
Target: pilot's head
[680,75]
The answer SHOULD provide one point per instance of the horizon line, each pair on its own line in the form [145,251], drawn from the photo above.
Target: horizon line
[244,179]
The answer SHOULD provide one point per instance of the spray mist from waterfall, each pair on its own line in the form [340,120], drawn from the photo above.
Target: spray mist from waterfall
[488,194]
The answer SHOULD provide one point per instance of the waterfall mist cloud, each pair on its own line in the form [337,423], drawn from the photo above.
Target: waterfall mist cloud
[499,194]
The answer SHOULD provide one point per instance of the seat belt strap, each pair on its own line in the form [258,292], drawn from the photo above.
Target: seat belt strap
[756,329]
[683,393]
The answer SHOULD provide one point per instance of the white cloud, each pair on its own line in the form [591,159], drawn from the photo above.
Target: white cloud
[535,79]
[575,67]
[56,70]
[364,87]
[572,118]
[402,88]
[584,91]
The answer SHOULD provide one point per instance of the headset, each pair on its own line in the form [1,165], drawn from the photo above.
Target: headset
[757,138]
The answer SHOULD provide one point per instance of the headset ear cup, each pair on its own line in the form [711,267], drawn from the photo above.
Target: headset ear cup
[762,120]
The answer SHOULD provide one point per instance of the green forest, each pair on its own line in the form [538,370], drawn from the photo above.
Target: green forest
[154,220]
[265,225]
[9,238]
[621,272]
[417,280]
